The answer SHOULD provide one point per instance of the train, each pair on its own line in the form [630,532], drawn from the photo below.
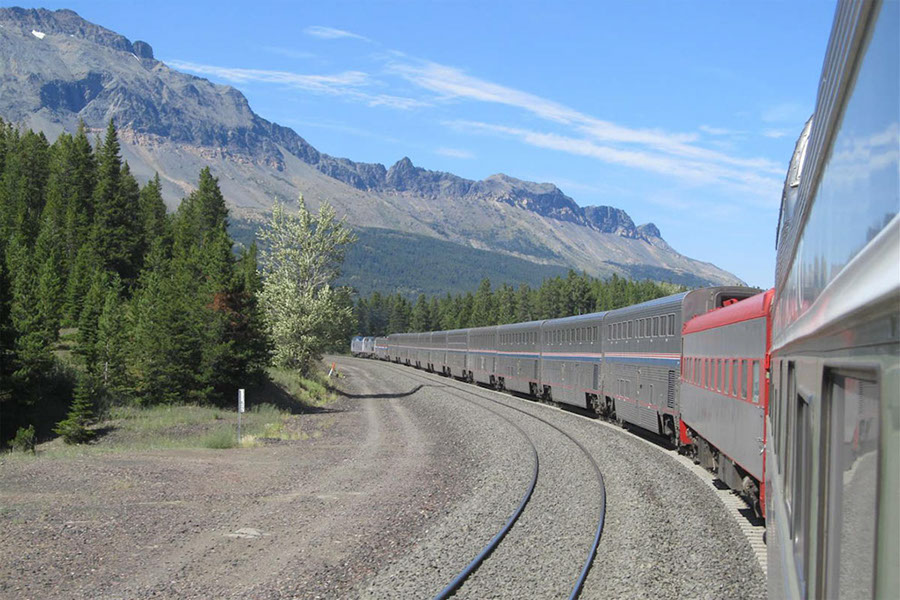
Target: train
[791,396]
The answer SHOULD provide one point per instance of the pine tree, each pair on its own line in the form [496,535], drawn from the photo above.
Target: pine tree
[505,309]
[482,313]
[112,342]
[419,320]
[525,304]
[115,233]
[89,319]
[74,429]
[80,166]
[154,223]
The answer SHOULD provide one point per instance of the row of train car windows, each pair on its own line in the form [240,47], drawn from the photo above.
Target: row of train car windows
[522,337]
[735,377]
[574,335]
[825,524]
[648,327]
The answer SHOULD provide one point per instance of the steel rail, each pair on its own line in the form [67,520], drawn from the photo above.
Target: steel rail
[485,552]
[592,552]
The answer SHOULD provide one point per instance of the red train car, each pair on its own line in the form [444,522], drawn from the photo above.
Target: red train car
[724,392]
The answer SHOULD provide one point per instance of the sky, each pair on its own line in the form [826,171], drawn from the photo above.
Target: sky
[683,114]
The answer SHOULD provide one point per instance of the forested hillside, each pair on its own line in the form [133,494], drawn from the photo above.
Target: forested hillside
[152,308]
[575,294]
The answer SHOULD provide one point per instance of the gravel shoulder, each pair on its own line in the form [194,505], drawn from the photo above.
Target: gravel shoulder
[394,490]
[301,519]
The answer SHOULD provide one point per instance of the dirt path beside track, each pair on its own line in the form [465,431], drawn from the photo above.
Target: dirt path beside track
[311,518]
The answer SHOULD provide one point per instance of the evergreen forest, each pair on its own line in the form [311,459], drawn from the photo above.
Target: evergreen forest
[108,300]
[575,294]
[105,298]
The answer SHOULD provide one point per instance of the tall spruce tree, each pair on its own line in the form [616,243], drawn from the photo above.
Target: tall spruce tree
[115,233]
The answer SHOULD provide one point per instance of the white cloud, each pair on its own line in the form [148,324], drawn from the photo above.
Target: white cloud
[346,84]
[289,52]
[686,169]
[775,133]
[455,153]
[451,83]
[330,33]
[719,130]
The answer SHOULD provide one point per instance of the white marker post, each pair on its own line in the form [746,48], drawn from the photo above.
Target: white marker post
[240,410]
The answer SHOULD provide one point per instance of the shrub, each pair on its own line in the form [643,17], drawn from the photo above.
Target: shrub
[24,440]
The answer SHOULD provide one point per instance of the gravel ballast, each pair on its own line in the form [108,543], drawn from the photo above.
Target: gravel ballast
[399,485]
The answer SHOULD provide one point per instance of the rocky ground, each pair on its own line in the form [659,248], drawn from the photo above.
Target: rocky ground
[395,487]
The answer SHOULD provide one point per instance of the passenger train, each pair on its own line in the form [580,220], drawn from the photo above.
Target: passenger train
[791,396]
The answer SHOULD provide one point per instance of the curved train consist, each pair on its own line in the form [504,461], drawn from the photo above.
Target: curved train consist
[792,396]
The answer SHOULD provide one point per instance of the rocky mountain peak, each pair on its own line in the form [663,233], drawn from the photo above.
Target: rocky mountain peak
[62,22]
[142,49]
[649,230]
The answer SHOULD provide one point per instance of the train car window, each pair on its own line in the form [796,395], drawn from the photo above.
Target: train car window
[630,329]
[802,488]
[787,468]
[671,324]
[848,496]
[755,367]
[655,326]
[743,379]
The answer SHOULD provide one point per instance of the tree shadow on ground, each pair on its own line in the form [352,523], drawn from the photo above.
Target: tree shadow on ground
[270,392]
[394,395]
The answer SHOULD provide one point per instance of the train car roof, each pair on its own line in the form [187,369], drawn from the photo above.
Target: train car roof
[525,325]
[753,307]
[651,303]
[574,319]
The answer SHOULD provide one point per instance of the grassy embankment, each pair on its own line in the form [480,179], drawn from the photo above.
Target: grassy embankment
[275,411]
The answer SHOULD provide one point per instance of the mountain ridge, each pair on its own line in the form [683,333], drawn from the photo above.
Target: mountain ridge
[172,122]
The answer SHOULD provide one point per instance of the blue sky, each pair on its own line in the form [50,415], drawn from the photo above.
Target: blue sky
[681,113]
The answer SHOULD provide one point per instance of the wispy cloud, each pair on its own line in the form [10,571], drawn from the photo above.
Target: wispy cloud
[682,168]
[330,33]
[719,130]
[451,83]
[289,52]
[775,133]
[347,84]
[454,153]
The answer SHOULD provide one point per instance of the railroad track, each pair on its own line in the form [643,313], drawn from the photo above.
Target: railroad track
[476,397]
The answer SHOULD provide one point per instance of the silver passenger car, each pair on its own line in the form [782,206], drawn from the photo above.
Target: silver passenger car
[481,354]
[833,451]
[517,367]
[571,355]
[642,356]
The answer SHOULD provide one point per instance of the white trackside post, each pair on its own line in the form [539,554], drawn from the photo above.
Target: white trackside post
[240,411]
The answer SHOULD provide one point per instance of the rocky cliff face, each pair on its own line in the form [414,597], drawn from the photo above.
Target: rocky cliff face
[57,69]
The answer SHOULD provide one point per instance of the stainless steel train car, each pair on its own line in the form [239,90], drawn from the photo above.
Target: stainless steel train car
[481,355]
[833,455]
[356,345]
[455,361]
[437,352]
[724,393]
[571,357]
[517,367]
[642,356]
[381,348]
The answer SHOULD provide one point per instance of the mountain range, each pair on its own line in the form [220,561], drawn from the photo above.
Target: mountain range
[57,69]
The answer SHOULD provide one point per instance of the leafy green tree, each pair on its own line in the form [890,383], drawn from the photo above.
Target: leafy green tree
[400,315]
[154,223]
[505,309]
[77,178]
[302,258]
